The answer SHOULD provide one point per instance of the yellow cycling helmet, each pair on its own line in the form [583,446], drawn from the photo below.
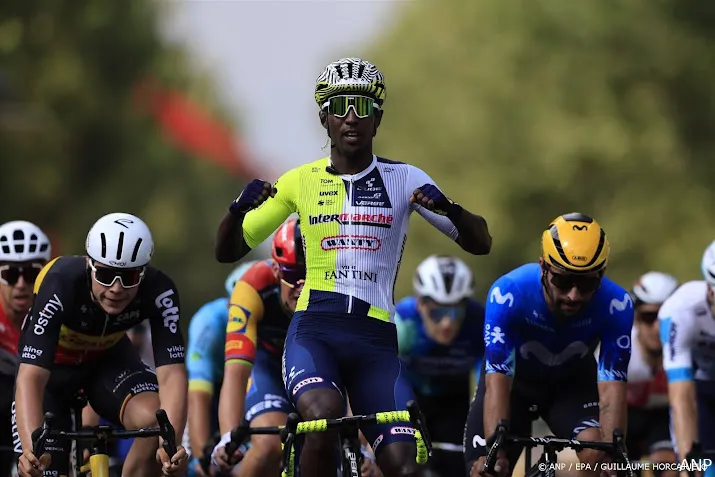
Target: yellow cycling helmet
[575,243]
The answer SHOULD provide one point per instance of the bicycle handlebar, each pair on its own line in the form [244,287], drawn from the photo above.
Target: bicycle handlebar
[295,426]
[616,448]
[104,433]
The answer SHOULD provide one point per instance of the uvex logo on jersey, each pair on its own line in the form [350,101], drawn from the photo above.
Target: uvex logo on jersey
[375,220]
[352,242]
[170,312]
[48,311]
[369,191]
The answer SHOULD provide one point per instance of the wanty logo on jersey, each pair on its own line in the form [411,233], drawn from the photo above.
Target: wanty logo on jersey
[501,299]
[375,220]
[351,242]
[171,312]
[621,305]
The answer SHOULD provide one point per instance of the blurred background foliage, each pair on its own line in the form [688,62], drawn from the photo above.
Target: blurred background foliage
[525,110]
[81,135]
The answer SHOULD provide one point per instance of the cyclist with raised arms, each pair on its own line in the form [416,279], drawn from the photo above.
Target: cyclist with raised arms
[24,250]
[354,208]
[204,363]
[648,408]
[543,323]
[439,330]
[687,331]
[75,338]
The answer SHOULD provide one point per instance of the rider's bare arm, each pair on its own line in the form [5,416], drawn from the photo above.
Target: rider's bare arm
[232,401]
[230,244]
[474,234]
[684,410]
[496,400]
[199,420]
[612,407]
[173,388]
[29,394]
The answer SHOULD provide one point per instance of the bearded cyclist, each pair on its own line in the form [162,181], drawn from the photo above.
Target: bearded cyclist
[204,363]
[648,407]
[543,323]
[24,250]
[75,338]
[440,336]
[354,208]
[687,331]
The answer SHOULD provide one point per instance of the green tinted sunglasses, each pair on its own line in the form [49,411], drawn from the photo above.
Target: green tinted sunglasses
[362,106]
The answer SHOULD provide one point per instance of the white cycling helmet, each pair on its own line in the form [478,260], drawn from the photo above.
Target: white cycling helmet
[236,275]
[22,241]
[120,240]
[446,280]
[654,288]
[708,264]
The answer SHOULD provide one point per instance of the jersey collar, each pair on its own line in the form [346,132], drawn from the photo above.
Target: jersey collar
[360,174]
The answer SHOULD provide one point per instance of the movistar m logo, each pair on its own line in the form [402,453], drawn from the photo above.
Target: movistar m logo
[621,305]
[501,299]
[580,227]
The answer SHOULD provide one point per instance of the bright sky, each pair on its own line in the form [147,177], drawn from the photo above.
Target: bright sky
[265,57]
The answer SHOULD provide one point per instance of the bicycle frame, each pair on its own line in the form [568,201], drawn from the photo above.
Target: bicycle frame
[100,436]
[552,446]
[348,429]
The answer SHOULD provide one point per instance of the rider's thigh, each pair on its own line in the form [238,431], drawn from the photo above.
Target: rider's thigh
[310,364]
[574,403]
[266,394]
[119,377]
[474,435]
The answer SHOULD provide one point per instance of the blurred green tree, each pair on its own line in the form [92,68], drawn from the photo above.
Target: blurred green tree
[76,142]
[525,110]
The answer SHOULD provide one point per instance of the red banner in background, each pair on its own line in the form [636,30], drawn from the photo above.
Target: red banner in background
[190,127]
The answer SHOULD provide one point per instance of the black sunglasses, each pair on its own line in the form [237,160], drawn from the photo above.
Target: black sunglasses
[567,281]
[10,274]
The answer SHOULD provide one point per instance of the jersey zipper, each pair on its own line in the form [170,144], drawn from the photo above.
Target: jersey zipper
[350,238]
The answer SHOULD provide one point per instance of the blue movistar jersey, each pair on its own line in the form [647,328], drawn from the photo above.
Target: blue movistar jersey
[434,369]
[207,335]
[521,334]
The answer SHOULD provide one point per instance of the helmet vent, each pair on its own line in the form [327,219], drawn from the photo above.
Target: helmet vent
[136,250]
[103,238]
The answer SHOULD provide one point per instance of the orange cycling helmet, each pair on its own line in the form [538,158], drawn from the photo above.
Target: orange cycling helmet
[287,249]
[575,243]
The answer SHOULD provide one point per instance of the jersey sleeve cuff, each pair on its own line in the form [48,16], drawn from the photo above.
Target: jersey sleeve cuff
[201,385]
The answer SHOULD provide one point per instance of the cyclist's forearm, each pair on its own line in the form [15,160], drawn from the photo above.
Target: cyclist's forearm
[496,401]
[29,396]
[612,408]
[685,416]
[473,232]
[173,389]
[231,406]
[199,419]
[230,244]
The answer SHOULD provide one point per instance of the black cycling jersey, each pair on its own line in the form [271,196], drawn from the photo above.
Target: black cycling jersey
[66,326]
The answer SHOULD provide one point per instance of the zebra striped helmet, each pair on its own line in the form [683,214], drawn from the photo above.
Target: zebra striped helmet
[350,75]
